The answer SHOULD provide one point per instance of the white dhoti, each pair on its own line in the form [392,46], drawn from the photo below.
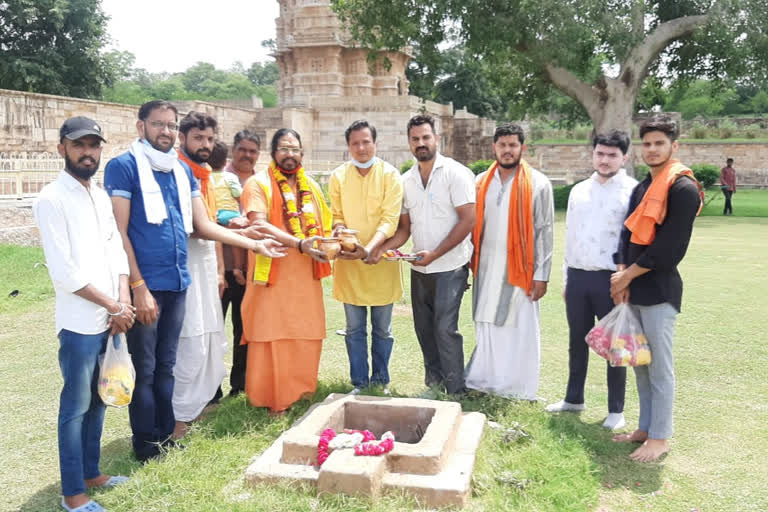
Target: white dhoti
[199,366]
[506,358]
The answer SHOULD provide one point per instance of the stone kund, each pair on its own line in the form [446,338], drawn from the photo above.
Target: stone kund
[433,457]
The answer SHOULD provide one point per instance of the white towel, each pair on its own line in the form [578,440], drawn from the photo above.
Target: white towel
[147,159]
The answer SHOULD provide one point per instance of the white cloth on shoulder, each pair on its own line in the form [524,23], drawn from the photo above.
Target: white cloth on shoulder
[149,159]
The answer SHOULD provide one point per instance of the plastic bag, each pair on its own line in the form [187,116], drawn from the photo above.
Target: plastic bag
[618,337]
[117,377]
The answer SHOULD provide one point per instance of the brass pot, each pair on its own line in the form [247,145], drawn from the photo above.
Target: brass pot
[348,238]
[330,246]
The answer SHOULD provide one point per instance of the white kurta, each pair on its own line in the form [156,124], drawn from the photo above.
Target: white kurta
[199,366]
[506,357]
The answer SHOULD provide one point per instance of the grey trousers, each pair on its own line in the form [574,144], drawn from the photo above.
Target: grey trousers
[656,381]
[436,300]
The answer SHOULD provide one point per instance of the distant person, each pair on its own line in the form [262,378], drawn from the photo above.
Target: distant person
[654,241]
[728,185]
[89,270]
[597,208]
[366,195]
[513,242]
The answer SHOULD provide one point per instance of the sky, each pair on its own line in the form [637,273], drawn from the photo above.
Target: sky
[152,30]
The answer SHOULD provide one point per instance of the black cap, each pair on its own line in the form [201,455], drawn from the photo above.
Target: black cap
[77,127]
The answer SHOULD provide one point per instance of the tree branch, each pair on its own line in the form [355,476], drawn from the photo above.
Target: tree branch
[572,85]
[635,67]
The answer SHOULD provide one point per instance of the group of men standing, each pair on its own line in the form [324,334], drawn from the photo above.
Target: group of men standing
[159,257]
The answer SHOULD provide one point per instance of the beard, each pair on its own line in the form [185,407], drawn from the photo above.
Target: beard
[84,173]
[200,156]
[509,165]
[425,156]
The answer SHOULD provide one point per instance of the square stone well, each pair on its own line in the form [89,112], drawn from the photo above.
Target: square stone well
[433,457]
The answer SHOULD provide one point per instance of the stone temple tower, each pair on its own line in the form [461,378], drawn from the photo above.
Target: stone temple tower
[317,59]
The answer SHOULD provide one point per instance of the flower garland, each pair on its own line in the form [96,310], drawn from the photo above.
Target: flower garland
[307,214]
[363,441]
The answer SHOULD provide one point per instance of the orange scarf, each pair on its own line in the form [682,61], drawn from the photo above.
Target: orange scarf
[277,219]
[519,228]
[652,209]
[203,173]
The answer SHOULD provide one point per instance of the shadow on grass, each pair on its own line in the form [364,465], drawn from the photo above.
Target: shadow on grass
[611,459]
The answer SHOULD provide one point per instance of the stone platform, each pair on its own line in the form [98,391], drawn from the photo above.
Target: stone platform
[433,457]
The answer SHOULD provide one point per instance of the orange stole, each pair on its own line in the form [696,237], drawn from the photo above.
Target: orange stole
[519,228]
[652,209]
[203,173]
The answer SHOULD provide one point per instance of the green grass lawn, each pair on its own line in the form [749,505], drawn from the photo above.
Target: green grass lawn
[746,203]
[717,462]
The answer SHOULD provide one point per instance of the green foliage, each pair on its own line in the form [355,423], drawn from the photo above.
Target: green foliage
[54,47]
[706,174]
[641,170]
[479,166]
[561,194]
[405,166]
[572,47]
[199,82]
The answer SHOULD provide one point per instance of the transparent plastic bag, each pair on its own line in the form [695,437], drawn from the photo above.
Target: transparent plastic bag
[618,337]
[117,377]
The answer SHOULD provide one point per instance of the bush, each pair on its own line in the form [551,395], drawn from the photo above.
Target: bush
[706,174]
[406,166]
[479,166]
[561,193]
[727,129]
[699,131]
[640,171]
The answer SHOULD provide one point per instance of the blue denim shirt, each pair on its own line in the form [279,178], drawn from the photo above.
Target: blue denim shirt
[160,249]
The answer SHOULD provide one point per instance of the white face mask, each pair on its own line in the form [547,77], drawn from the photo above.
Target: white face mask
[364,165]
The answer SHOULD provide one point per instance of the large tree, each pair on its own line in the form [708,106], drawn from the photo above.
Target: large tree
[54,46]
[598,52]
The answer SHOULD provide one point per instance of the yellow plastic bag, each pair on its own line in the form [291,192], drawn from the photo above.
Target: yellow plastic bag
[117,377]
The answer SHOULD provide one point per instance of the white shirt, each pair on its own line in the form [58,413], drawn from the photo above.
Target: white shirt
[432,210]
[596,213]
[82,246]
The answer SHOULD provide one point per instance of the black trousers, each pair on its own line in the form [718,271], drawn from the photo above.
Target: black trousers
[234,295]
[587,295]
[728,208]
[436,300]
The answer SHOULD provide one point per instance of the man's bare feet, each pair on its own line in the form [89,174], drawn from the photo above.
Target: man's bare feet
[650,451]
[180,430]
[638,436]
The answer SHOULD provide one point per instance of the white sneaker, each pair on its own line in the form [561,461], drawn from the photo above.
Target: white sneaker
[355,391]
[386,391]
[563,406]
[614,421]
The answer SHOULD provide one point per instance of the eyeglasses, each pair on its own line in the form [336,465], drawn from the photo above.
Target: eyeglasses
[290,151]
[159,125]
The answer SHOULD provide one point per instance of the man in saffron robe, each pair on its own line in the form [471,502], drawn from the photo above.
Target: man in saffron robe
[654,241]
[283,312]
[513,240]
[199,365]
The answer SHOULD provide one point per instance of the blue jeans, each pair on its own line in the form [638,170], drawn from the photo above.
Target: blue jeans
[81,411]
[357,343]
[153,351]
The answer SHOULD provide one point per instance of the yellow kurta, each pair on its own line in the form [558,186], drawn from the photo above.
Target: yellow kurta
[368,204]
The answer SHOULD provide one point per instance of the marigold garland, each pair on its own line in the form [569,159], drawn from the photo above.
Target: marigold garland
[296,219]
